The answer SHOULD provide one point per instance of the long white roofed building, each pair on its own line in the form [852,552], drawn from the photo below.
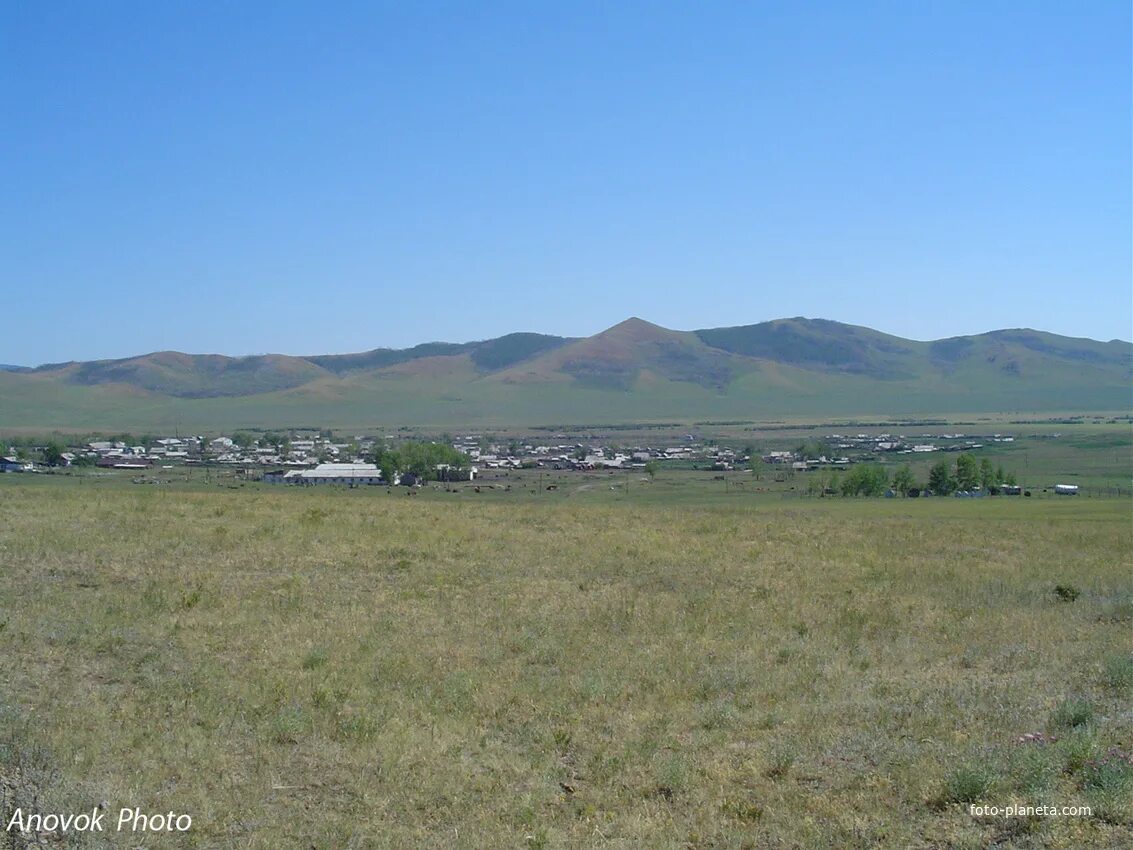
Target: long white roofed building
[336,473]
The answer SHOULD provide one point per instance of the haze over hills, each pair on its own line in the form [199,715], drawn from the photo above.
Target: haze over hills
[633,371]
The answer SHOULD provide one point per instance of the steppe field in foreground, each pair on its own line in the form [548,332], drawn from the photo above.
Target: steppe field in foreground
[354,670]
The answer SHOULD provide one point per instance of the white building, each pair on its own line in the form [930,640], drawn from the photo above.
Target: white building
[336,473]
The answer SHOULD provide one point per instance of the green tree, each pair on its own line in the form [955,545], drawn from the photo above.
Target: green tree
[651,469]
[243,439]
[813,448]
[53,453]
[865,479]
[987,475]
[422,459]
[967,472]
[386,460]
[940,480]
[903,480]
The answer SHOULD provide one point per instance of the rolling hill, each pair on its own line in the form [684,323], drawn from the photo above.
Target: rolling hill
[633,371]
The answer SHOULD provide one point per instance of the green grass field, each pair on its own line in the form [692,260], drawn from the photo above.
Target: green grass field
[586,668]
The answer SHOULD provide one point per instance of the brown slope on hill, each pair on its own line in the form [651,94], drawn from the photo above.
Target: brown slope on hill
[193,375]
[614,358]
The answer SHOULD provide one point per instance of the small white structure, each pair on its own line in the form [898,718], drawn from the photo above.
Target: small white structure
[11,464]
[1066,489]
[447,472]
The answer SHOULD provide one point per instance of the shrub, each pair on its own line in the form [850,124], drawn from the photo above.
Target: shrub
[1072,714]
[782,759]
[1067,592]
[968,783]
[288,725]
[1032,769]
[1076,750]
[1112,773]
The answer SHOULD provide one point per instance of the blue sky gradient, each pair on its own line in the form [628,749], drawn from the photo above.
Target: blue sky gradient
[309,178]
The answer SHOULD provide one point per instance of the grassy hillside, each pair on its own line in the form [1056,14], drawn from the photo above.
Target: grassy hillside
[617,357]
[821,344]
[351,669]
[193,375]
[634,371]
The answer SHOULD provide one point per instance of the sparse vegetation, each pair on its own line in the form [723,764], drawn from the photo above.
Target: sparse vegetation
[1117,671]
[1072,713]
[344,667]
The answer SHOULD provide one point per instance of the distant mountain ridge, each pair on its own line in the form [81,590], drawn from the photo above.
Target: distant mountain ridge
[208,375]
[635,367]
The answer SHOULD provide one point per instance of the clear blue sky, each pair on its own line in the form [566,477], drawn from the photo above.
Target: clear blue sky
[303,178]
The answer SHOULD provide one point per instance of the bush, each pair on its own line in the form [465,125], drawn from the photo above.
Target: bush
[782,759]
[1067,592]
[1076,750]
[865,479]
[968,784]
[1033,769]
[1109,774]
[1108,784]
[1072,714]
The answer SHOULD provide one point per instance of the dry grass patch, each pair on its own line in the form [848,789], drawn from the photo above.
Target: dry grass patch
[336,670]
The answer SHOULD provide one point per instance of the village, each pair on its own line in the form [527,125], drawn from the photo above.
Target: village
[322,458]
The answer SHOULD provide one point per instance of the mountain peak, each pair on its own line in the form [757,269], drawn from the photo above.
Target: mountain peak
[635,329]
